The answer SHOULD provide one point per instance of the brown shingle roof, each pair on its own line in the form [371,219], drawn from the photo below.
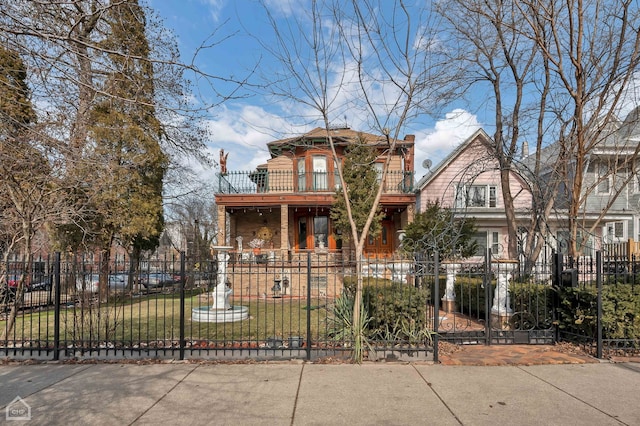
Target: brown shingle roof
[340,136]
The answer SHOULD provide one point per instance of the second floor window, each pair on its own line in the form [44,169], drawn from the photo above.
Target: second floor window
[320,178]
[313,174]
[604,180]
[476,196]
[379,167]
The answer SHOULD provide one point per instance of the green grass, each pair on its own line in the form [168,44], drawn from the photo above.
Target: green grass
[157,318]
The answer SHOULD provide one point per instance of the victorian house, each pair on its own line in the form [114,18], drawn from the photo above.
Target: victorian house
[283,206]
[468,182]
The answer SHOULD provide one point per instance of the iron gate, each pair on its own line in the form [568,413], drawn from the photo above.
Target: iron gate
[495,301]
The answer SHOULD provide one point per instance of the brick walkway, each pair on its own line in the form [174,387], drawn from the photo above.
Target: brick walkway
[509,355]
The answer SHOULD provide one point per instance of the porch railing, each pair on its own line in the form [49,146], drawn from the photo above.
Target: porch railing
[621,249]
[286,181]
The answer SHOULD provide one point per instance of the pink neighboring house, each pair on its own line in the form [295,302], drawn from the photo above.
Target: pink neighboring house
[468,182]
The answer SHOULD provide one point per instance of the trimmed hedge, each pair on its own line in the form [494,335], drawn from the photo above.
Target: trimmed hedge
[620,311]
[470,295]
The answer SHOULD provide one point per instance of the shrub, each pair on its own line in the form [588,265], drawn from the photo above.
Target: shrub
[620,311]
[394,309]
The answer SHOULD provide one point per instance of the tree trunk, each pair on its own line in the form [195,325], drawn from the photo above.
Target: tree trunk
[105,258]
[22,282]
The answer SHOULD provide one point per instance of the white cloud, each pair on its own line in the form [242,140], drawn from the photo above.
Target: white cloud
[243,132]
[215,8]
[435,144]
[285,7]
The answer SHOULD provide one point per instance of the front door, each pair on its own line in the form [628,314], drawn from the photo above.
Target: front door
[382,245]
[314,232]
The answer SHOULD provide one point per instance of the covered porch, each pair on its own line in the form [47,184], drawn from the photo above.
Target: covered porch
[265,233]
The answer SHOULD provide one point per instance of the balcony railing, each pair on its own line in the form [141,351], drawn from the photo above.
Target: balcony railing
[285,181]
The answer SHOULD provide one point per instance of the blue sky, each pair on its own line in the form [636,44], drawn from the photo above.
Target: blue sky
[242,127]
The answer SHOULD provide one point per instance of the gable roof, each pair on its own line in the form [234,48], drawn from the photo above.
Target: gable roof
[479,134]
[615,138]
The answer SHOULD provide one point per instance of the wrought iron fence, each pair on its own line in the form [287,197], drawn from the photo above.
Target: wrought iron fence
[599,302]
[174,307]
[171,308]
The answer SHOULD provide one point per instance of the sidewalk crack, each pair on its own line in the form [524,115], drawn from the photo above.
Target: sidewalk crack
[295,402]
[573,396]
[428,383]
[163,396]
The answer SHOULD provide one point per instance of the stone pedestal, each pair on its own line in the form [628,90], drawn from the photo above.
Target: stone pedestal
[448,306]
[501,322]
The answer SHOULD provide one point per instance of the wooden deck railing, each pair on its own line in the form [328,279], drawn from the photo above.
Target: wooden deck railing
[623,249]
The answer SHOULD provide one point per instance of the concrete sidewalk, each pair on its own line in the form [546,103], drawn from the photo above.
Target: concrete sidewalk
[297,393]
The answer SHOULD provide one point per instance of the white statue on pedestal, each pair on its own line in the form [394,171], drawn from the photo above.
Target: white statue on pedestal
[221,293]
[450,288]
[501,298]
[220,310]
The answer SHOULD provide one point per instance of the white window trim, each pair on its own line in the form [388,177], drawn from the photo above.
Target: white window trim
[635,183]
[612,237]
[463,201]
[495,242]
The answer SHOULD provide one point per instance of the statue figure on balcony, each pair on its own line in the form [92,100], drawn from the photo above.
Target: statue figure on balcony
[223,162]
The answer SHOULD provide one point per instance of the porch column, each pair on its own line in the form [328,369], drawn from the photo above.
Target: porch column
[284,231]
[222,225]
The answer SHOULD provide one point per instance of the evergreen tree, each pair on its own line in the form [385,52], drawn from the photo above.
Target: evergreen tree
[26,183]
[361,180]
[437,230]
[125,165]
[127,133]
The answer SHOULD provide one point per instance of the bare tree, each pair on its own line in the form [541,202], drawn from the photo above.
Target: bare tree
[493,53]
[557,72]
[592,50]
[76,67]
[195,218]
[340,56]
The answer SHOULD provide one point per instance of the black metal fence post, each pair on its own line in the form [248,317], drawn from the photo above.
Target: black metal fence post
[557,267]
[308,306]
[599,314]
[486,279]
[56,307]
[182,285]
[436,306]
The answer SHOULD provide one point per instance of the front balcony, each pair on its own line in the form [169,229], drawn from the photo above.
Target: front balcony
[263,181]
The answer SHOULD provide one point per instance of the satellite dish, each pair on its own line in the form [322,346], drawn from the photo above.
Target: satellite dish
[426,164]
